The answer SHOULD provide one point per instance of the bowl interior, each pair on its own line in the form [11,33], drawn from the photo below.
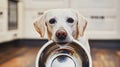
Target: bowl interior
[55,55]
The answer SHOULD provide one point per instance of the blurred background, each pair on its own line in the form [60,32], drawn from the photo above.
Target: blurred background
[19,42]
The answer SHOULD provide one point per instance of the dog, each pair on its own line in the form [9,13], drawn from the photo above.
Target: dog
[62,25]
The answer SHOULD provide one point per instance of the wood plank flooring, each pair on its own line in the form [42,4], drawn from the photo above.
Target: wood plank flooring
[25,57]
[106,58]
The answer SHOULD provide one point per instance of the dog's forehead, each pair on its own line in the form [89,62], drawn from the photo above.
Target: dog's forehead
[60,13]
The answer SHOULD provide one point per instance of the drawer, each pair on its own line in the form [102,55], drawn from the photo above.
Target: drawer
[101,20]
[46,3]
[102,24]
[94,4]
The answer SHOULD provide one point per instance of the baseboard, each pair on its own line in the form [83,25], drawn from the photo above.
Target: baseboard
[31,42]
[114,44]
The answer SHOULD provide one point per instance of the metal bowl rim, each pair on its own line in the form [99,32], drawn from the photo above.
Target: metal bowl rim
[51,41]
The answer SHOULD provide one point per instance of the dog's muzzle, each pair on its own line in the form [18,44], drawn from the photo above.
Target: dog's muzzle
[61,34]
[73,54]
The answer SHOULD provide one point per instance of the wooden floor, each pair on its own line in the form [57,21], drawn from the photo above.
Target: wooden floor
[25,57]
[106,57]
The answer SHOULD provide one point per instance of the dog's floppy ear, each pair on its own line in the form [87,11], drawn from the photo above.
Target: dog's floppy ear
[39,25]
[81,24]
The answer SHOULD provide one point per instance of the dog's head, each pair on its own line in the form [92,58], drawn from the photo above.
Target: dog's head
[62,25]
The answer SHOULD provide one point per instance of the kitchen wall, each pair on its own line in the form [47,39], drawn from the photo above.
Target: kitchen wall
[103,17]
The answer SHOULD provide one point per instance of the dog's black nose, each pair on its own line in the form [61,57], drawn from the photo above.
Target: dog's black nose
[61,34]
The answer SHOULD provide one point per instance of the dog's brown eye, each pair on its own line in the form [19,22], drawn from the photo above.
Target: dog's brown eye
[52,21]
[70,20]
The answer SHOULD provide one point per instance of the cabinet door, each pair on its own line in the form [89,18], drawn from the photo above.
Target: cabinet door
[5,34]
[30,17]
[90,4]
[3,21]
[102,17]
[3,16]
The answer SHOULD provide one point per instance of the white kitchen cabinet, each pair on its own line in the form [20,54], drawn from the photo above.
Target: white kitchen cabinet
[29,30]
[101,16]
[3,16]
[5,33]
[33,9]
[3,20]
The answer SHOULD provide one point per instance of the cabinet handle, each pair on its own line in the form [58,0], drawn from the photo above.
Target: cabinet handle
[97,17]
[40,13]
[1,13]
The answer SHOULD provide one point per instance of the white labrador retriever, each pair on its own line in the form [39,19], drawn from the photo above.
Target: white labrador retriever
[62,26]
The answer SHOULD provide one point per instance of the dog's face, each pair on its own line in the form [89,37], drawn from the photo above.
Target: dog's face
[62,25]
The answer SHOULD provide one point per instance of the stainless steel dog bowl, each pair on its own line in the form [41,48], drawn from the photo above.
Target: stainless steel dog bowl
[73,54]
